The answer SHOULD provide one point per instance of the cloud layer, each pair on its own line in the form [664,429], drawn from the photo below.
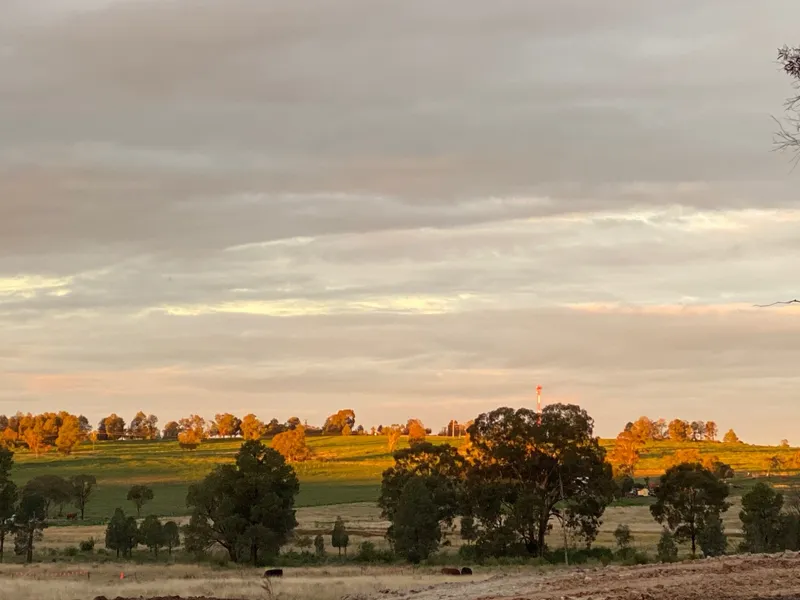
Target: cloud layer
[413,209]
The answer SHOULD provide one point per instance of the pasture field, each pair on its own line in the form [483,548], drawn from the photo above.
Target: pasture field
[344,470]
[87,581]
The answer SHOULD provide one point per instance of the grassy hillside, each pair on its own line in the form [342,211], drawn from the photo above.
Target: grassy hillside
[344,470]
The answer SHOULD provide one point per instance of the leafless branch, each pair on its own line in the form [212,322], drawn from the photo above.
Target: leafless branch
[777,303]
[788,135]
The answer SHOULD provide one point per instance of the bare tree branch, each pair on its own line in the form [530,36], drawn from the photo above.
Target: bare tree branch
[788,135]
[776,303]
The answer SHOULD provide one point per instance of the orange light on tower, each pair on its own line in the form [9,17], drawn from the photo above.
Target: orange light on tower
[539,402]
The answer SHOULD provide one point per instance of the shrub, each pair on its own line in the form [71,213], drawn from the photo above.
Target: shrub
[711,537]
[71,551]
[87,545]
[667,548]
[366,552]
[623,536]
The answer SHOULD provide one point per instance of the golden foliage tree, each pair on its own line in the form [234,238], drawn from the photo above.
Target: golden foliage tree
[711,431]
[626,452]
[643,429]
[392,437]
[690,456]
[69,435]
[730,437]
[252,427]
[416,431]
[679,430]
[292,445]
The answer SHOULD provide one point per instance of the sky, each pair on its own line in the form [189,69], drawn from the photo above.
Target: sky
[412,209]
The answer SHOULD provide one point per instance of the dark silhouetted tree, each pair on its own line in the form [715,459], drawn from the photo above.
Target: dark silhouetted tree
[339,536]
[139,495]
[688,495]
[247,507]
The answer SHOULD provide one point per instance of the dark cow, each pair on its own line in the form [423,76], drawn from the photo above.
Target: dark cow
[72,516]
[451,571]
[466,571]
[273,573]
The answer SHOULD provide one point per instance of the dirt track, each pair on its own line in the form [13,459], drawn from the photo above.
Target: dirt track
[731,578]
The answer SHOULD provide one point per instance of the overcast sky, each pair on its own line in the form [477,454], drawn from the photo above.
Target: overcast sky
[413,209]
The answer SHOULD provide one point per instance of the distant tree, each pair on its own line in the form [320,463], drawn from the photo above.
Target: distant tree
[172,536]
[247,507]
[667,548]
[336,422]
[346,430]
[54,491]
[102,435]
[688,495]
[69,435]
[34,433]
[319,545]
[274,427]
[392,437]
[122,534]
[143,427]
[416,431]
[193,431]
[711,537]
[623,537]
[719,468]
[625,484]
[711,431]
[227,425]
[679,430]
[8,497]
[82,488]
[293,423]
[684,456]
[171,431]
[139,495]
[660,429]
[416,531]
[114,426]
[151,532]
[773,464]
[784,443]
[29,522]
[626,452]
[643,430]
[252,428]
[339,536]
[731,437]
[292,445]
[698,430]
[761,519]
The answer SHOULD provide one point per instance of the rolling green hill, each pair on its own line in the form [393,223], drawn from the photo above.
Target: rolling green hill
[344,469]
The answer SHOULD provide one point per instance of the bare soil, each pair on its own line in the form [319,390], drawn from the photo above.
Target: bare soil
[749,577]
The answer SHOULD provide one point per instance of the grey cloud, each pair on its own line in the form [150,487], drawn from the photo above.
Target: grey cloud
[168,154]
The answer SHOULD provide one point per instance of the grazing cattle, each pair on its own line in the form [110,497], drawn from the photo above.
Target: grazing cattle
[466,571]
[273,573]
[72,516]
[451,571]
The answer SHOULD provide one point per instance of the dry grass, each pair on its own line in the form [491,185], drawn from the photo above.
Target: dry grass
[364,523]
[47,583]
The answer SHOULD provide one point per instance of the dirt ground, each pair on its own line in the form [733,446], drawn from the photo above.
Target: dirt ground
[776,577]
[762,577]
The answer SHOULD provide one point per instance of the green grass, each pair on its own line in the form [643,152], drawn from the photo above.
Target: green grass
[344,469]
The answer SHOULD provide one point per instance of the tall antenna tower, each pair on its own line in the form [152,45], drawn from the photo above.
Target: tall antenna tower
[539,402]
